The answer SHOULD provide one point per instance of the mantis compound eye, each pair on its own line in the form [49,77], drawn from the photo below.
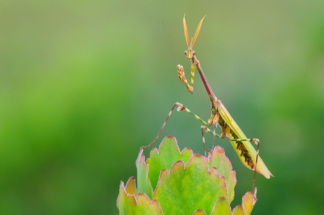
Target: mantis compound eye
[193,53]
[185,52]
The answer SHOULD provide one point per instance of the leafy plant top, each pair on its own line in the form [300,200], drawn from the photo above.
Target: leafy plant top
[182,183]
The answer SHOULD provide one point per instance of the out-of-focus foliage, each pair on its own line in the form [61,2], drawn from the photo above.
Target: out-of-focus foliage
[84,84]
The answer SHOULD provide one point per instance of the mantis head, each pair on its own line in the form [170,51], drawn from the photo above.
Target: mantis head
[190,53]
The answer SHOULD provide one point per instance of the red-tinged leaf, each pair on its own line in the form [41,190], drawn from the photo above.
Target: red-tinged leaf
[198,187]
[131,187]
[128,205]
[222,207]
[185,189]
[199,212]
[143,183]
[125,201]
[238,210]
[248,203]
[217,159]
[167,155]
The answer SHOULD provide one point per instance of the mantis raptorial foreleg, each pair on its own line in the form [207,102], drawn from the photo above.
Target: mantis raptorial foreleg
[183,78]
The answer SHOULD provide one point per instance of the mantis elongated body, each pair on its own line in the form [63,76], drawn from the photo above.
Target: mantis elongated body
[219,116]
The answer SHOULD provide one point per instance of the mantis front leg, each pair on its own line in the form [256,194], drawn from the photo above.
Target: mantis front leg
[183,78]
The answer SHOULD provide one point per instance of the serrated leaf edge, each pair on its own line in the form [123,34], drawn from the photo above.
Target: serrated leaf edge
[233,172]
[141,158]
[220,198]
[132,178]
[199,211]
[213,170]
[176,144]
[244,201]
[136,199]
[237,208]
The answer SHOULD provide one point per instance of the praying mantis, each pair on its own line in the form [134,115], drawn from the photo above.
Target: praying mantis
[219,116]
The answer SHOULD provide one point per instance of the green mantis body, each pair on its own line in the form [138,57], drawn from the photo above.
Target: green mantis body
[219,116]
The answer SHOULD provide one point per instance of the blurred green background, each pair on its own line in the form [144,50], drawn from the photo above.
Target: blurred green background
[84,84]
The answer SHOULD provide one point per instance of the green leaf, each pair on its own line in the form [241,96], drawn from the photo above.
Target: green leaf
[185,189]
[222,207]
[129,204]
[238,210]
[167,155]
[248,203]
[143,183]
[218,159]
[131,187]
[199,212]
[198,187]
